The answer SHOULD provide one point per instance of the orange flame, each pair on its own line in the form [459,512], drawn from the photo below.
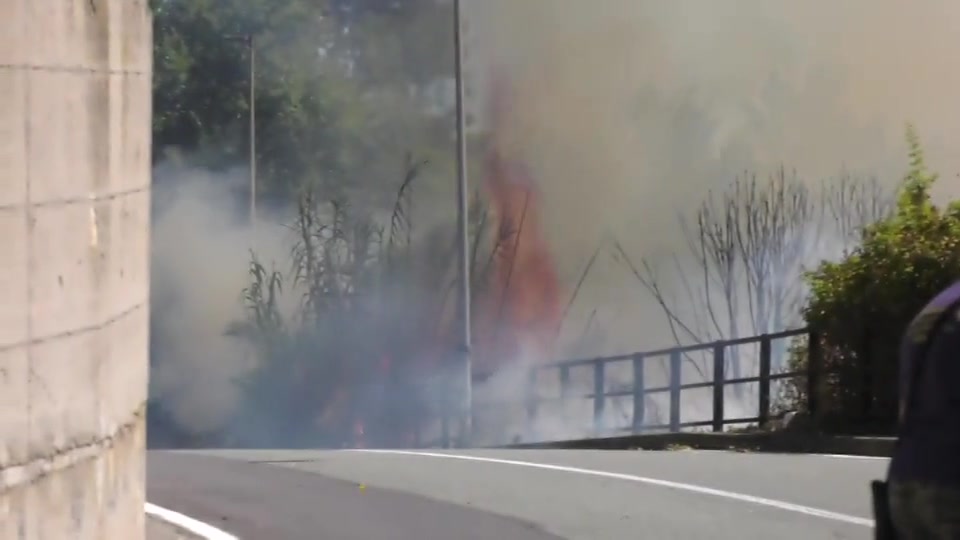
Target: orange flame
[516,316]
[519,314]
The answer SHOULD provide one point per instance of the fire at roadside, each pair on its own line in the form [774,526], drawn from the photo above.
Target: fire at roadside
[342,331]
[516,317]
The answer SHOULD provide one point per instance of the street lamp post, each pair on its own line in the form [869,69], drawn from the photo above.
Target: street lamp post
[463,261]
[248,40]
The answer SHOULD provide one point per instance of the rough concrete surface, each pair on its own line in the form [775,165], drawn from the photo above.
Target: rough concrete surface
[75,79]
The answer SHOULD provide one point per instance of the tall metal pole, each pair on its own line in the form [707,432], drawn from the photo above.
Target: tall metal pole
[253,140]
[463,261]
[248,40]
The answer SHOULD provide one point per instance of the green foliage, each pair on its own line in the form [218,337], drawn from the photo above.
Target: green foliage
[333,87]
[264,324]
[201,77]
[860,305]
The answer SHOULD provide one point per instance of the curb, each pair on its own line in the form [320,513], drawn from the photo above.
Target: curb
[781,442]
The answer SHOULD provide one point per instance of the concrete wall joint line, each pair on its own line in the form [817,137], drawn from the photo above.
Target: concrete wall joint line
[63,458]
[80,200]
[77,331]
[73,69]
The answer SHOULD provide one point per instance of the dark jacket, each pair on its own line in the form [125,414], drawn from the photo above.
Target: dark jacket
[928,449]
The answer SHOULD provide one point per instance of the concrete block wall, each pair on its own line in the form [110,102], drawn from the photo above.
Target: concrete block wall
[75,113]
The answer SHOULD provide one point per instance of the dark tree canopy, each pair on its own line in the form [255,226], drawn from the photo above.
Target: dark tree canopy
[333,78]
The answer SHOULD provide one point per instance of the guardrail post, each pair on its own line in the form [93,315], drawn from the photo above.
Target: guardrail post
[814,370]
[445,428]
[719,385]
[599,397]
[675,390]
[564,383]
[639,393]
[531,400]
[564,390]
[764,414]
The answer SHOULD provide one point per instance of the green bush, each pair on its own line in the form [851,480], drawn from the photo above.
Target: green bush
[859,306]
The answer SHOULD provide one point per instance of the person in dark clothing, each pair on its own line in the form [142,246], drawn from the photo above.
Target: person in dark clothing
[924,474]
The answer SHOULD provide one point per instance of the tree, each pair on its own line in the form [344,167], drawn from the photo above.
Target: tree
[202,76]
[329,107]
[860,305]
[748,247]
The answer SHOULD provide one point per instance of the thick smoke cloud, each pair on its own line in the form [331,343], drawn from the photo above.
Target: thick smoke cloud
[630,110]
[200,255]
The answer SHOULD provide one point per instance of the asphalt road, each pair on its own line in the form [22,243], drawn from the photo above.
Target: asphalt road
[517,494]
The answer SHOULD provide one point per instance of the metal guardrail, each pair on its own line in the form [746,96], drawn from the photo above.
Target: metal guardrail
[813,374]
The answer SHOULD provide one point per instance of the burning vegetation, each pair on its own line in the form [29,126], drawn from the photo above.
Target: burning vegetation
[365,356]
[520,310]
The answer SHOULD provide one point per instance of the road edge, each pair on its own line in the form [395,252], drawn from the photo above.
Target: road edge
[185,526]
[783,442]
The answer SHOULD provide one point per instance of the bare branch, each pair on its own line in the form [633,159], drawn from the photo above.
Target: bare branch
[511,265]
[576,291]
[649,281]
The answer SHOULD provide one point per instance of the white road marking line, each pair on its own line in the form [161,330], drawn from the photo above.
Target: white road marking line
[773,503]
[848,456]
[198,528]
